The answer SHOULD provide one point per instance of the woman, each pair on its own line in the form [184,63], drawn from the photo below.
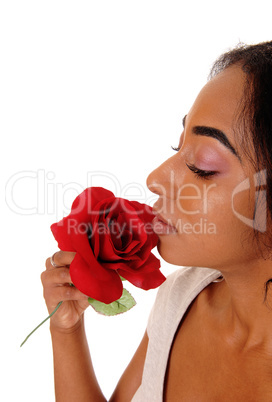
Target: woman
[209,333]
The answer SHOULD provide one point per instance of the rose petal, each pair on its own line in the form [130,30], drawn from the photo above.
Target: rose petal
[144,211]
[84,205]
[85,279]
[150,265]
[149,280]
[62,236]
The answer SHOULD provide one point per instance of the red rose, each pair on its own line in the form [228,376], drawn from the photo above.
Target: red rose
[112,237]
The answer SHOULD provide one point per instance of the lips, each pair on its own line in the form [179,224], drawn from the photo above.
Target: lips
[161,226]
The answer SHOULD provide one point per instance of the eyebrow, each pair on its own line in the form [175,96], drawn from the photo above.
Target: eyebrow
[213,133]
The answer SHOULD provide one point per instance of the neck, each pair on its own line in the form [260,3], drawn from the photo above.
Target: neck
[248,313]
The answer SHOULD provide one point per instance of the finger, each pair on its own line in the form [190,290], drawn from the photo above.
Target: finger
[71,293]
[60,258]
[63,293]
[56,276]
[49,266]
[64,258]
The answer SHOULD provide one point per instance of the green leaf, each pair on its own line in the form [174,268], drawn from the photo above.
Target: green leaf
[125,303]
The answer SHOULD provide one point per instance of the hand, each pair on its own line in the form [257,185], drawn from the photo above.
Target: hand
[57,287]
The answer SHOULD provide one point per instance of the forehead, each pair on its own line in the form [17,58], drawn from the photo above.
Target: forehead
[218,102]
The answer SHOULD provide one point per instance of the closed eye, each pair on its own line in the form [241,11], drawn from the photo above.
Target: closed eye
[201,174]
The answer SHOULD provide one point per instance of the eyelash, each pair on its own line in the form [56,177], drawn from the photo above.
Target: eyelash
[200,174]
[175,148]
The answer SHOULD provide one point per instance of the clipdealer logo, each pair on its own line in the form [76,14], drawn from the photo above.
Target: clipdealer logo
[260,211]
[50,197]
[37,192]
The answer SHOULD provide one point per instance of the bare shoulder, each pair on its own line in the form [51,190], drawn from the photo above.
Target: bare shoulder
[203,366]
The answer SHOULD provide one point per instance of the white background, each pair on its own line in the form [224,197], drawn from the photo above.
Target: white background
[89,87]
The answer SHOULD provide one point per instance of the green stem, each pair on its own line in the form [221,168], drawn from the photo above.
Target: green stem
[53,312]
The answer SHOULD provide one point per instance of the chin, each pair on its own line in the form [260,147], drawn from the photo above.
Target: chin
[185,255]
[169,254]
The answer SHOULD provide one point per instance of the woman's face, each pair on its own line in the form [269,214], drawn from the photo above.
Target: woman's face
[204,192]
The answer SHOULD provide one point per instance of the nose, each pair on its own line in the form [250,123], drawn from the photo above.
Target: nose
[152,182]
[162,180]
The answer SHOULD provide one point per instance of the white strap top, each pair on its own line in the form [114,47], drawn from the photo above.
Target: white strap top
[173,298]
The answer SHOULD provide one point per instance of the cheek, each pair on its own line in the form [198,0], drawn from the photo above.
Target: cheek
[196,199]
[232,214]
[243,203]
[210,208]
[250,209]
[211,231]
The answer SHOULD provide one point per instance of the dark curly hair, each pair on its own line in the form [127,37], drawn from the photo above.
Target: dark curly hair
[255,116]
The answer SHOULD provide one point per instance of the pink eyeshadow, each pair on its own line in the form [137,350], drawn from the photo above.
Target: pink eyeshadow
[207,158]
